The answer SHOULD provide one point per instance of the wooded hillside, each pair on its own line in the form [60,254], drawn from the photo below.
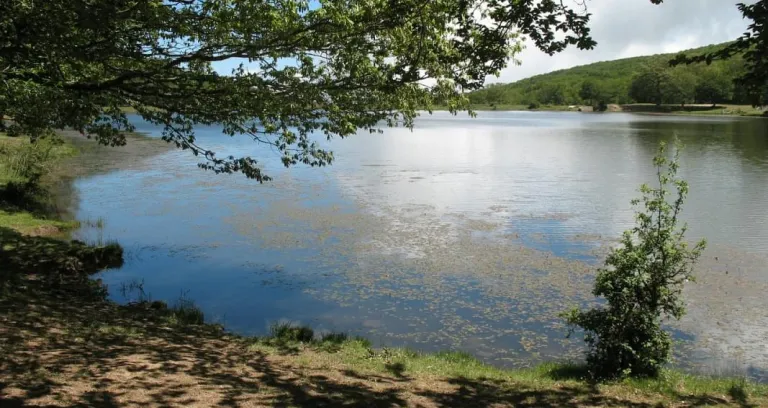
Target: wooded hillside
[647,79]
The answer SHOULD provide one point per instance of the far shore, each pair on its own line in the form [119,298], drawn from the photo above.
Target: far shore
[640,108]
[725,110]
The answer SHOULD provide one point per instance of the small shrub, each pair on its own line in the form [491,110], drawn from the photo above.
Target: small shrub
[642,282]
[332,342]
[28,162]
[333,337]
[291,333]
[361,342]
[185,312]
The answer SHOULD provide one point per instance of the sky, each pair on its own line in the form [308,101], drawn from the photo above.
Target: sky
[630,28]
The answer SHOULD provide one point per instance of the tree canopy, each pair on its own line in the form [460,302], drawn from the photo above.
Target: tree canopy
[752,47]
[309,68]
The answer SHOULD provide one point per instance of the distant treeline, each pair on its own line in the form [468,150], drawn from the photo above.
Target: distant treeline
[647,79]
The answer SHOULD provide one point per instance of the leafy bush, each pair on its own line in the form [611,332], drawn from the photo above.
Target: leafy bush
[27,162]
[334,337]
[23,165]
[289,332]
[642,282]
[185,312]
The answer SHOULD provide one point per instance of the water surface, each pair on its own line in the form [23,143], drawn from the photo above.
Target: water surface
[468,234]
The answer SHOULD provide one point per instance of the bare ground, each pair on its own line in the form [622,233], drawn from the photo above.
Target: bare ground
[62,353]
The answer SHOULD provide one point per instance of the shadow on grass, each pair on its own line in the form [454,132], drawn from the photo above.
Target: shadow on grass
[494,392]
[396,369]
[51,259]
[62,344]
[739,394]
[28,196]
[577,372]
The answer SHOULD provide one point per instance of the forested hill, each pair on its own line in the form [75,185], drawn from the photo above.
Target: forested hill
[647,79]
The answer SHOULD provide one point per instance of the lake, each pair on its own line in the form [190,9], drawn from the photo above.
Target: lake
[464,234]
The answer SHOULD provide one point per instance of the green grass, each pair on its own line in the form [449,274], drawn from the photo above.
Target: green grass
[28,223]
[291,333]
[19,155]
[358,355]
[119,331]
[184,312]
[23,200]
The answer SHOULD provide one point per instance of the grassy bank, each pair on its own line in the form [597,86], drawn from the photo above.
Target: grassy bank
[62,343]
[696,110]
[503,107]
[688,110]
[545,108]
[26,172]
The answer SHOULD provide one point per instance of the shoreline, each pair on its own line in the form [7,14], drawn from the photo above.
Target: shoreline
[101,160]
[60,339]
[638,109]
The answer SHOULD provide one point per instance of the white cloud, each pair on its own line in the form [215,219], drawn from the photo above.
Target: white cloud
[629,28]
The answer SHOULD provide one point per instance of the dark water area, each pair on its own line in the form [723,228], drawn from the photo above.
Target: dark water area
[467,234]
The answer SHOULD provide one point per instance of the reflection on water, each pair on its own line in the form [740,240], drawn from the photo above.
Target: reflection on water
[465,233]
